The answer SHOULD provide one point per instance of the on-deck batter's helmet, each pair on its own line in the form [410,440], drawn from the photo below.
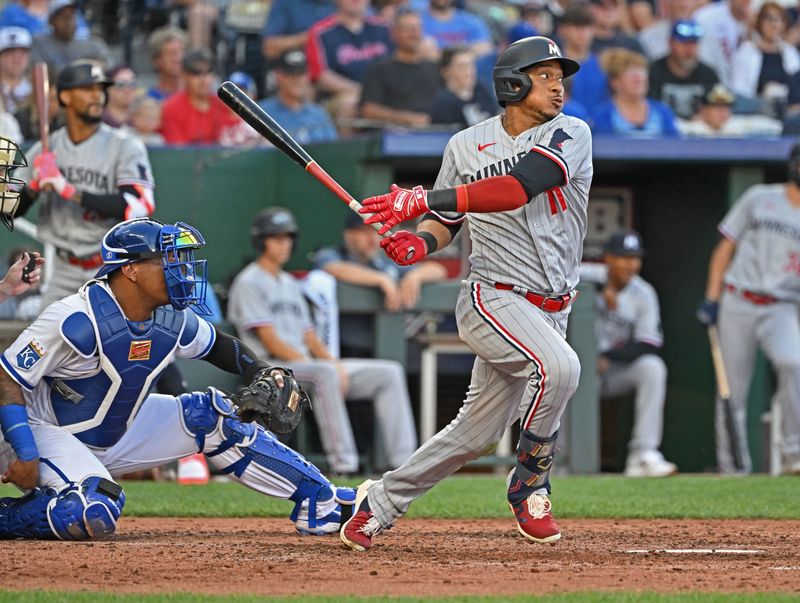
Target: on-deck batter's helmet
[145,238]
[270,222]
[11,158]
[511,83]
[84,72]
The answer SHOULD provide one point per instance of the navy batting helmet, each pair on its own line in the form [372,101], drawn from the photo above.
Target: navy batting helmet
[145,238]
[81,73]
[511,83]
[271,222]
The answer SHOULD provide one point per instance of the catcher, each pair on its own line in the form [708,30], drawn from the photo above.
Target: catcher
[75,409]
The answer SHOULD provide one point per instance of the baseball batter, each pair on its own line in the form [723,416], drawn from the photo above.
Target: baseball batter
[752,292]
[75,409]
[629,340]
[521,180]
[92,177]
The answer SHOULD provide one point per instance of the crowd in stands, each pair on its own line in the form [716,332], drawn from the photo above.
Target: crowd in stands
[330,68]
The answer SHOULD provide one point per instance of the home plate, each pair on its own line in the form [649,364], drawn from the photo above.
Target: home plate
[696,551]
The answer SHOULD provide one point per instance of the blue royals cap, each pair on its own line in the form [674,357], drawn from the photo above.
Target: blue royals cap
[244,80]
[625,243]
[686,30]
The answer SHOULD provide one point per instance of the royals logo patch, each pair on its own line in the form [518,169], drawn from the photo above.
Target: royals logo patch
[30,355]
[140,350]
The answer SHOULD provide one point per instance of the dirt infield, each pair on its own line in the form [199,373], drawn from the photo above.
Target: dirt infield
[418,557]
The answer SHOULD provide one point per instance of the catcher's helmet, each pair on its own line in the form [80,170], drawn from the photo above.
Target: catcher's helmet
[11,158]
[271,222]
[145,238]
[509,71]
[84,72]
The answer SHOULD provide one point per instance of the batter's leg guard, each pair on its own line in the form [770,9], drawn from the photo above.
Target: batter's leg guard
[527,484]
[85,511]
[256,458]
[534,460]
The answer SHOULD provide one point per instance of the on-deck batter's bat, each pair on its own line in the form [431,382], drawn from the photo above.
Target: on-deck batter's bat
[41,92]
[261,121]
[725,393]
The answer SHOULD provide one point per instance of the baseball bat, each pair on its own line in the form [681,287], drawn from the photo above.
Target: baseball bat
[41,91]
[263,123]
[725,393]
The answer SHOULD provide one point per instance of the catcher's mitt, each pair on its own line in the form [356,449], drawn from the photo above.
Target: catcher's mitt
[273,399]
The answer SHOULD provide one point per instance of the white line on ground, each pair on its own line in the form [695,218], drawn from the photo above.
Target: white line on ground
[697,551]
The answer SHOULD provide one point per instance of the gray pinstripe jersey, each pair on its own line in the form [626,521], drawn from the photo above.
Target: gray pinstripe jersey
[100,164]
[766,229]
[538,246]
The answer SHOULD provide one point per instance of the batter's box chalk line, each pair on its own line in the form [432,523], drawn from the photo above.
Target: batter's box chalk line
[695,551]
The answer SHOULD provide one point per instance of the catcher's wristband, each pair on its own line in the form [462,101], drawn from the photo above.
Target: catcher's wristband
[17,431]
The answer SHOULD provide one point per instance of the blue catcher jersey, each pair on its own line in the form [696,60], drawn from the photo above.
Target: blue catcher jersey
[84,367]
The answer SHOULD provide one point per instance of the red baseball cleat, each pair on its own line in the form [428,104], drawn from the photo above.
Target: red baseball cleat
[534,519]
[357,532]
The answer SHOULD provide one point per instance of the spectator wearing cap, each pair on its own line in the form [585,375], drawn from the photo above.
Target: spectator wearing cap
[239,133]
[629,112]
[291,106]
[589,87]
[655,38]
[61,47]
[288,23]
[608,33]
[195,116]
[121,95]
[726,25]
[167,48]
[15,54]
[763,66]
[340,49]
[399,89]
[463,101]
[679,79]
[360,261]
[629,341]
[715,118]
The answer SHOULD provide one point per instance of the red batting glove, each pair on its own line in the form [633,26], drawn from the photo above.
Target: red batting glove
[398,206]
[45,171]
[404,248]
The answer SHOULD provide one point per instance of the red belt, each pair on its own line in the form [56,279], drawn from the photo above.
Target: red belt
[553,303]
[754,298]
[90,262]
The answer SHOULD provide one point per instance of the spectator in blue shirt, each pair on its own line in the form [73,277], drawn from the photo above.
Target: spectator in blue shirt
[450,26]
[630,112]
[288,23]
[340,49]
[33,16]
[589,87]
[303,120]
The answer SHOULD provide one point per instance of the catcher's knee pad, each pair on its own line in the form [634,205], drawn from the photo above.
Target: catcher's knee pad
[85,511]
[534,459]
[259,447]
[201,412]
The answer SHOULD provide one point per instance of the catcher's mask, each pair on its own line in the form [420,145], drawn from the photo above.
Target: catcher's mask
[145,238]
[11,158]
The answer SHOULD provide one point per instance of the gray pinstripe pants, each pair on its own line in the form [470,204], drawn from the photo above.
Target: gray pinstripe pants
[524,370]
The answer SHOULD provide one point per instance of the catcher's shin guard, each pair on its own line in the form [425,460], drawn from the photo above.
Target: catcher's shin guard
[85,511]
[534,460]
[253,456]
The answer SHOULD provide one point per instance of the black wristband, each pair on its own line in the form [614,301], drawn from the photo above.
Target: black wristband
[430,241]
[442,200]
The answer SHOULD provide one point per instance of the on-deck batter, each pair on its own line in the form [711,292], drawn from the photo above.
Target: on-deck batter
[754,286]
[521,180]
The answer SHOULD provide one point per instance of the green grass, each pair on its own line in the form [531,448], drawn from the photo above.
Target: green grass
[696,496]
[56,597]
